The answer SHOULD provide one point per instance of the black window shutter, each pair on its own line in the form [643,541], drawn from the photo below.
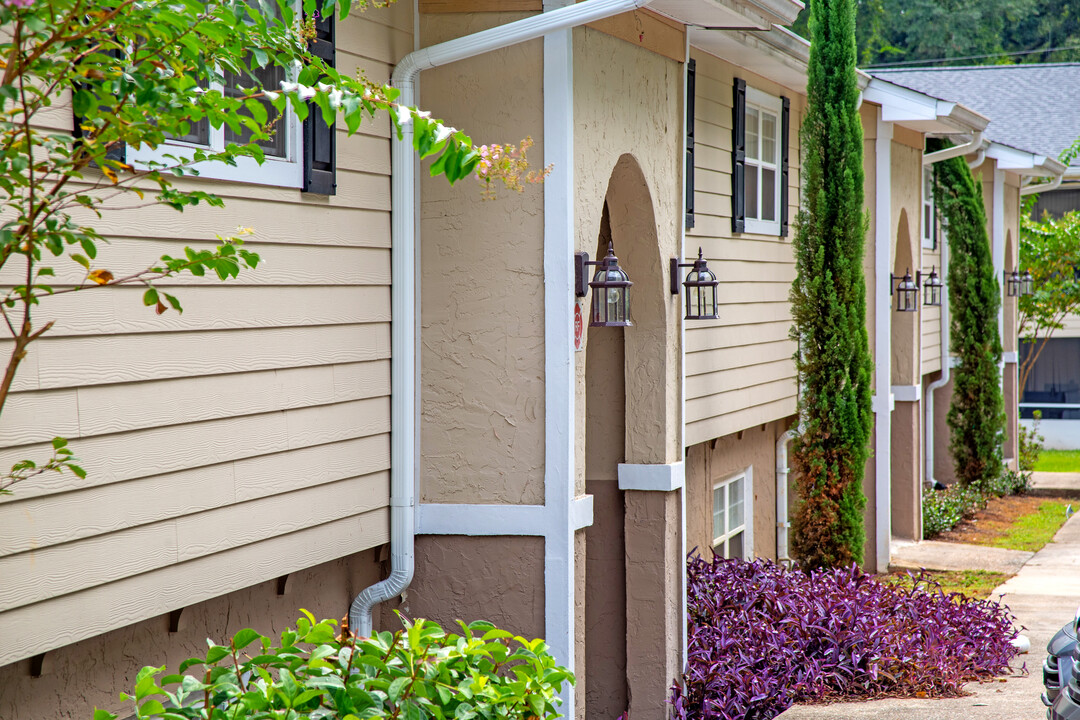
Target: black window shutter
[785,134]
[691,81]
[118,151]
[320,151]
[738,158]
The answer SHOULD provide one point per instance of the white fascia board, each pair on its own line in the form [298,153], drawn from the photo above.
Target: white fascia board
[903,105]
[659,478]
[899,104]
[1010,158]
[730,14]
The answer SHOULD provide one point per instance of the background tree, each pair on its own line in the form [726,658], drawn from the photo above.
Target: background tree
[977,413]
[995,31]
[135,73]
[1050,251]
[829,302]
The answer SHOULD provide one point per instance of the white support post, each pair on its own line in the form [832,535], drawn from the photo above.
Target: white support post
[883,345]
[559,368]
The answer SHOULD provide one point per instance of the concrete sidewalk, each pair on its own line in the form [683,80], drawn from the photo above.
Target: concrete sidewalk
[1053,484]
[1043,595]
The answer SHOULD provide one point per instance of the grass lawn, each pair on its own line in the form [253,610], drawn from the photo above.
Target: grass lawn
[1058,461]
[1031,532]
[973,583]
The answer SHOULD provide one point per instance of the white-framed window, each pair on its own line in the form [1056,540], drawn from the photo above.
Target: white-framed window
[762,173]
[733,516]
[282,166]
[929,212]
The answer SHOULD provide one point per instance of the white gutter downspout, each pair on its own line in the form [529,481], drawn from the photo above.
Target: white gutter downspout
[404,292]
[955,151]
[1035,189]
[883,344]
[783,524]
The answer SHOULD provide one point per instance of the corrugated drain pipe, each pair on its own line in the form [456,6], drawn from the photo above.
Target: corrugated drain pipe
[404,292]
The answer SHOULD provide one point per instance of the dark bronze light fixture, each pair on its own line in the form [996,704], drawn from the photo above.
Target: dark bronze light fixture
[1013,283]
[931,288]
[700,284]
[611,289]
[907,292]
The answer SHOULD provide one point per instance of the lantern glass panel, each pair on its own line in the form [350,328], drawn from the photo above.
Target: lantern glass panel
[1013,284]
[1027,284]
[907,295]
[611,297]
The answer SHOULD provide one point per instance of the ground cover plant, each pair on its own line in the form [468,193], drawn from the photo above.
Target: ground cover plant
[420,671]
[762,637]
[1058,461]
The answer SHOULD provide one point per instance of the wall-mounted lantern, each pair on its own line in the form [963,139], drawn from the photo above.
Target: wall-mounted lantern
[907,292]
[1013,283]
[700,284]
[931,288]
[611,289]
[1027,283]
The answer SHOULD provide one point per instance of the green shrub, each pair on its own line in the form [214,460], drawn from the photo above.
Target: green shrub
[415,673]
[977,412]
[1009,482]
[828,303]
[1031,445]
[943,509]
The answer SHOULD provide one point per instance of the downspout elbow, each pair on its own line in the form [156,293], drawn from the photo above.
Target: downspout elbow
[956,151]
[1034,189]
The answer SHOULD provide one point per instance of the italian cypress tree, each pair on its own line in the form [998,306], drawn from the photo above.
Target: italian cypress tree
[828,302]
[977,413]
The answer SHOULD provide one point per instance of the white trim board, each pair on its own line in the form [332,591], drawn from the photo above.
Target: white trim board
[907,393]
[496,519]
[657,477]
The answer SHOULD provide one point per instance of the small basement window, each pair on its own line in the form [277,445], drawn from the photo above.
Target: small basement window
[732,516]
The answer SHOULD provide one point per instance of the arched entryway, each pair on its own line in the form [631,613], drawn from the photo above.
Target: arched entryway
[633,561]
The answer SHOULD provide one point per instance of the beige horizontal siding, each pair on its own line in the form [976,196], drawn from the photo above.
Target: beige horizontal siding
[930,317]
[739,368]
[243,440]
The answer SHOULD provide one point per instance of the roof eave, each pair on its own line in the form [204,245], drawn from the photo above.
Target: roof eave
[730,14]
[921,112]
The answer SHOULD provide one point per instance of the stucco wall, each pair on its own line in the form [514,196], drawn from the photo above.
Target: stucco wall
[499,579]
[482,336]
[92,673]
[713,461]
[628,140]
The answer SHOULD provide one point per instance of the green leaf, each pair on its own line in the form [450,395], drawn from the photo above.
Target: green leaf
[150,297]
[245,637]
[151,707]
[81,259]
[216,653]
[397,687]
[100,714]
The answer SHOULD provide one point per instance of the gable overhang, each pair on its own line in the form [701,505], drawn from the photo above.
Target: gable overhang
[1024,163]
[730,14]
[778,55]
[921,112]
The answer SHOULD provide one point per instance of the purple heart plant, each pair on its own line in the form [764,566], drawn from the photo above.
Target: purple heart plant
[762,637]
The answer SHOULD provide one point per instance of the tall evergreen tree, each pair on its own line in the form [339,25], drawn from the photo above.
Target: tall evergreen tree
[977,413]
[829,302]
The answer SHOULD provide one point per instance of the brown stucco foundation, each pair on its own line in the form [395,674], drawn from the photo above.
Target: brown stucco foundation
[906,477]
[496,578]
[712,461]
[88,674]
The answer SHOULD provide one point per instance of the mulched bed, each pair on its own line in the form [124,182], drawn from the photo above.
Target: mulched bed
[993,520]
